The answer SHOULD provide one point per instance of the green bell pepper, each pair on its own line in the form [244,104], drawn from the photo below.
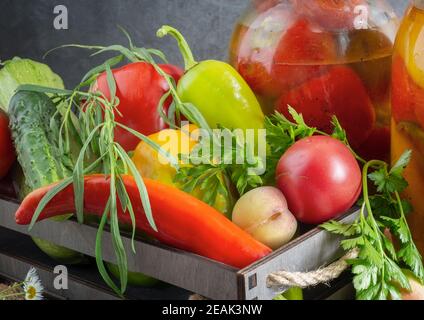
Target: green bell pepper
[217,90]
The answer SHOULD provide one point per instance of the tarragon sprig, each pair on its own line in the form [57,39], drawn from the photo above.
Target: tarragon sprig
[89,119]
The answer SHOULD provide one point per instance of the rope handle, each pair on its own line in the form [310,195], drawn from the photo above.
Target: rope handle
[304,280]
[281,279]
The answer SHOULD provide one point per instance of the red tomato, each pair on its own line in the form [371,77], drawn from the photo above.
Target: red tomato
[377,146]
[7,151]
[139,89]
[256,70]
[300,52]
[320,178]
[332,14]
[407,97]
[256,47]
[339,92]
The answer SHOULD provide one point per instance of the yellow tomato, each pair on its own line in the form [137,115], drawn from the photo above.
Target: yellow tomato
[154,165]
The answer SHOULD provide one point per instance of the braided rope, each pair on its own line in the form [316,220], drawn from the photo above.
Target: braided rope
[304,280]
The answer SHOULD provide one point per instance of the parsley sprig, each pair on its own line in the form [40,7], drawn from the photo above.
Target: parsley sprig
[219,166]
[281,135]
[378,270]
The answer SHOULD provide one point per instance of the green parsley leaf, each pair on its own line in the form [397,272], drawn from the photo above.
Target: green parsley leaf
[349,244]
[410,255]
[281,135]
[366,276]
[215,173]
[339,228]
[369,293]
[378,272]
[400,166]
[388,182]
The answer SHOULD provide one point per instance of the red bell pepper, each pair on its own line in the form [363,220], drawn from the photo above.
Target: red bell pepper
[183,221]
[139,88]
[339,92]
[7,151]
[304,52]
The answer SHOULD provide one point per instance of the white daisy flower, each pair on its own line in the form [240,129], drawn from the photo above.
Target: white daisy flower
[32,286]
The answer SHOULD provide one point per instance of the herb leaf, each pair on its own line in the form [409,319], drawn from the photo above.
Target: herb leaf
[378,273]
[281,135]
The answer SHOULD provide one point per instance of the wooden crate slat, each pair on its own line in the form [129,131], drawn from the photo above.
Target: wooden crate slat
[18,249]
[314,249]
[176,267]
[18,268]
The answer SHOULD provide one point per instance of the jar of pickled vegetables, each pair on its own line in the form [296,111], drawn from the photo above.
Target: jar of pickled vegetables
[323,58]
[408,110]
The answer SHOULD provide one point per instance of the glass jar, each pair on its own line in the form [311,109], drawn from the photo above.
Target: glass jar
[408,110]
[323,58]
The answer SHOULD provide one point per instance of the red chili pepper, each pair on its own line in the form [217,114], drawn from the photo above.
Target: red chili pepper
[183,221]
[339,92]
[139,89]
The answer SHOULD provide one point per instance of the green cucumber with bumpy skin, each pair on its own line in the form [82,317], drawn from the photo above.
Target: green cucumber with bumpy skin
[35,126]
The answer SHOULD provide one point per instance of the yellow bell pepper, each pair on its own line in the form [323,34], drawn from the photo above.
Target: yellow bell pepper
[155,166]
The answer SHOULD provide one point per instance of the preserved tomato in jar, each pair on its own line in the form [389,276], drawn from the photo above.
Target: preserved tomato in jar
[323,58]
[408,110]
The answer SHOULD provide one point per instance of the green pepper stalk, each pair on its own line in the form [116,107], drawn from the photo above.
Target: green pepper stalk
[217,90]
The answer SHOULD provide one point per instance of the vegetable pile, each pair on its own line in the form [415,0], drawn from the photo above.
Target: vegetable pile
[128,146]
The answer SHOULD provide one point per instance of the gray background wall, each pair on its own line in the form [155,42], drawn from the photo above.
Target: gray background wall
[26,28]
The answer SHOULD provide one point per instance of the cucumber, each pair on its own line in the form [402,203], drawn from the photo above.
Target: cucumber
[35,132]
[35,124]
[135,279]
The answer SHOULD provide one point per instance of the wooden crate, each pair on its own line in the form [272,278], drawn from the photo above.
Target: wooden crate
[315,248]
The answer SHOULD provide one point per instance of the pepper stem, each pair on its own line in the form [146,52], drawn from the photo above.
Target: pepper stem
[182,44]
